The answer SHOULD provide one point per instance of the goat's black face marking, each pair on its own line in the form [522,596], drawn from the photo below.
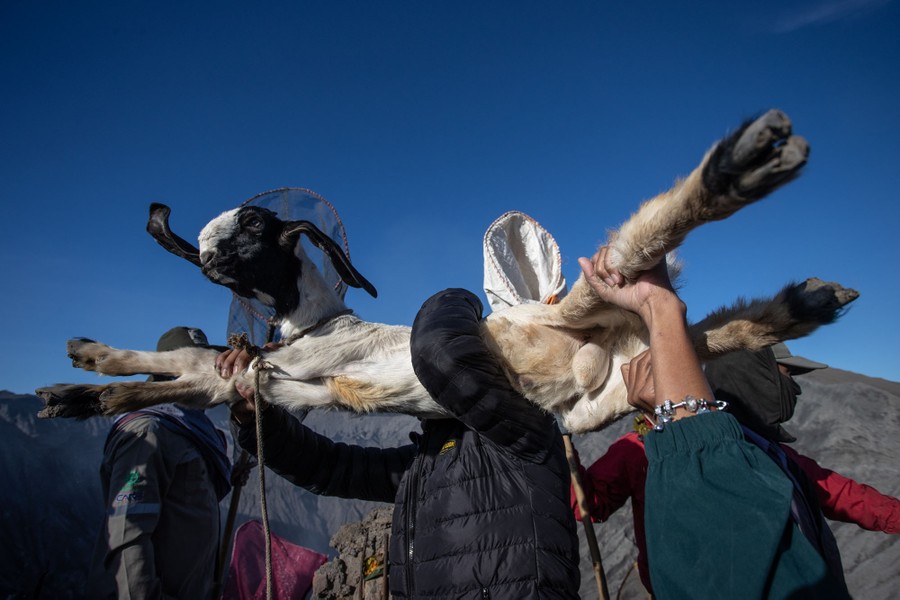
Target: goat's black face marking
[239,249]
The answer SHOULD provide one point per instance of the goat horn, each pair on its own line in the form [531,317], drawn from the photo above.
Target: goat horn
[347,271]
[158,227]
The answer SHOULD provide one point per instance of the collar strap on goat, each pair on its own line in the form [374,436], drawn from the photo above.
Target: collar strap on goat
[316,325]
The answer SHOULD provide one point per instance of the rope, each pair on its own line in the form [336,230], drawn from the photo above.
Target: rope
[263,506]
[242,342]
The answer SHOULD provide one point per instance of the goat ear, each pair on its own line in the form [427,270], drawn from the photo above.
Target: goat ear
[158,227]
[348,273]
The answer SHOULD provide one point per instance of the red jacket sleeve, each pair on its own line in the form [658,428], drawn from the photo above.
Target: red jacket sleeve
[846,500]
[614,478]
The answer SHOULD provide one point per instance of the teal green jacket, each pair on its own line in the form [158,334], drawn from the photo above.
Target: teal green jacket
[718,519]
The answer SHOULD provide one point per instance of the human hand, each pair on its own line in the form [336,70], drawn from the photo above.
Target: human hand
[240,470]
[639,296]
[234,361]
[638,376]
[243,411]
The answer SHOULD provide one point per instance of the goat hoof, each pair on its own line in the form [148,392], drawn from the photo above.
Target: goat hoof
[758,137]
[69,401]
[783,165]
[821,301]
[85,353]
[756,159]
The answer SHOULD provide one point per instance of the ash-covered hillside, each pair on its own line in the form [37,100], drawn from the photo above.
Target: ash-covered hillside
[51,497]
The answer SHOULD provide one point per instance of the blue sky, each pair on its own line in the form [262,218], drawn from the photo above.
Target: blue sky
[422,122]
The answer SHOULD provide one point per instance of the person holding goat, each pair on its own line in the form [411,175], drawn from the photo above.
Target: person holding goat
[480,500]
[761,394]
[718,510]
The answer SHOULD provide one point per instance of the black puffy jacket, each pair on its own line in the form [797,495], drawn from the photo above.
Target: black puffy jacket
[481,501]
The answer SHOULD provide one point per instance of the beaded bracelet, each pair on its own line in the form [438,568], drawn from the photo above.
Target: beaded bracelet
[666,411]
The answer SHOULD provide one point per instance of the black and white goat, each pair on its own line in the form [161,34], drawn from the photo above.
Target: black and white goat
[563,357]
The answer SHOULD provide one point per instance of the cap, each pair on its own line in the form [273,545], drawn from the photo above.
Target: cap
[181,337]
[797,364]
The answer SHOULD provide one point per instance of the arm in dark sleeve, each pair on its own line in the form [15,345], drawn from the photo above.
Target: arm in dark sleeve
[452,361]
[843,499]
[322,466]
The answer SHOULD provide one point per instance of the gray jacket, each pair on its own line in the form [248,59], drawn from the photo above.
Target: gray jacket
[160,537]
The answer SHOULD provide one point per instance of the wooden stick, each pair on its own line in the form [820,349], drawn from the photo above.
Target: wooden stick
[589,532]
[225,545]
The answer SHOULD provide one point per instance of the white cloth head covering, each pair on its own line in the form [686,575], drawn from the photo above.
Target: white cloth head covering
[522,263]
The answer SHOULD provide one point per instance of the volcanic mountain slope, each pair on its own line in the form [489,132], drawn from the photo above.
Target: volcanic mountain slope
[51,496]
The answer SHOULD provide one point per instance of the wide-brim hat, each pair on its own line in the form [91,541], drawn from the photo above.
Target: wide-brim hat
[797,364]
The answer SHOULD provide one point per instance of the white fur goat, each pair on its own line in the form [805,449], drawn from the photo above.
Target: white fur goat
[563,357]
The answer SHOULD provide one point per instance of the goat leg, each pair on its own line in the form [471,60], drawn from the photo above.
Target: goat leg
[191,391]
[747,165]
[93,356]
[797,310]
[755,160]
